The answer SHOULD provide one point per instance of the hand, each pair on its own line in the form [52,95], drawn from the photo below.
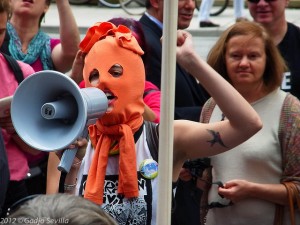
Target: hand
[6,124]
[181,36]
[80,144]
[77,68]
[236,190]
[185,174]
[184,47]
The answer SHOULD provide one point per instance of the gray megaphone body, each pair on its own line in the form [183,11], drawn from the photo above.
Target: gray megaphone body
[49,112]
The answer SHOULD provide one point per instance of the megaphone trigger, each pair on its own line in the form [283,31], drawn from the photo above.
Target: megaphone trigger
[68,156]
[67,159]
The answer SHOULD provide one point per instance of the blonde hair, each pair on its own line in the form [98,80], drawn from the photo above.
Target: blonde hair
[275,64]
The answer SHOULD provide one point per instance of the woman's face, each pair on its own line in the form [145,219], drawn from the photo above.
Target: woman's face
[29,7]
[245,61]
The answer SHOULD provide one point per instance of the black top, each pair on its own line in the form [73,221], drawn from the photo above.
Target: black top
[290,50]
[189,95]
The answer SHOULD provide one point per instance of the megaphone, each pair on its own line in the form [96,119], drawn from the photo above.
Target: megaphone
[49,112]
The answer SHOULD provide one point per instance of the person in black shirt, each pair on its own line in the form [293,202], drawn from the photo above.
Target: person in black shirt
[286,35]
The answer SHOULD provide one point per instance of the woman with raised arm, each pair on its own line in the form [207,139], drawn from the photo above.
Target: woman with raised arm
[25,41]
[119,169]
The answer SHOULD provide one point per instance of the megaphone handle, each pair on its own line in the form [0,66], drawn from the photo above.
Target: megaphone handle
[67,160]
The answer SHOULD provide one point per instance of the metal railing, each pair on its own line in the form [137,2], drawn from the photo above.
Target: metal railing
[137,7]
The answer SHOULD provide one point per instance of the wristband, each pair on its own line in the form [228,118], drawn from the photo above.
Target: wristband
[77,163]
[70,187]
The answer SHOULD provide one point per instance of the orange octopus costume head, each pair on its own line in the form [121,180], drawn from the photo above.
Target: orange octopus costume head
[114,65]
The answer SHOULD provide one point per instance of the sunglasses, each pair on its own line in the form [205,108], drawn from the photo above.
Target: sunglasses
[257,1]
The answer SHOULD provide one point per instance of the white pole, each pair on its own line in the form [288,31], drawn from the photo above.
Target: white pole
[168,73]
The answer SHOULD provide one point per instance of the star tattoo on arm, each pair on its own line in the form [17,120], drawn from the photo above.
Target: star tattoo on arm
[216,138]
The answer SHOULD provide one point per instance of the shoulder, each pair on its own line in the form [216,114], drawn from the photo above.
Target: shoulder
[292,104]
[289,119]
[290,112]
[3,63]
[151,86]
[293,27]
[150,28]
[144,20]
[26,69]
[54,42]
[293,32]
[2,58]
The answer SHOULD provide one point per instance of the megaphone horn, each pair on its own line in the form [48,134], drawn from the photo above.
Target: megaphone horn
[49,112]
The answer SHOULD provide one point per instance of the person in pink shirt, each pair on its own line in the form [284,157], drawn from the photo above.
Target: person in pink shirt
[152,99]
[25,41]
[15,147]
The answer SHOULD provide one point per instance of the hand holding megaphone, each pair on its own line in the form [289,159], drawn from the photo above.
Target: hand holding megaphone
[49,112]
[6,124]
[80,144]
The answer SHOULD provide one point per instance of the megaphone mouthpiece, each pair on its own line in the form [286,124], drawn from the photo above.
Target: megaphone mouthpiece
[65,108]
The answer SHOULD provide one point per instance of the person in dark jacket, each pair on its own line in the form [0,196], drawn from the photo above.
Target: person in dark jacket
[189,99]
[189,95]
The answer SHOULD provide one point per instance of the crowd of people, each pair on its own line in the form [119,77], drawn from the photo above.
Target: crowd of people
[243,155]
